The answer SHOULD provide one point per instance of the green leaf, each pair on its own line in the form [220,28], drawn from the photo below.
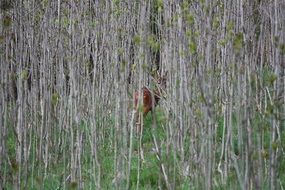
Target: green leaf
[222,42]
[190,19]
[116,2]
[265,154]
[282,49]
[15,166]
[185,6]
[123,64]
[238,41]
[134,66]
[44,3]
[145,67]
[275,145]
[7,21]
[24,75]
[54,98]
[120,51]
[188,33]
[192,47]
[73,185]
[2,39]
[159,3]
[198,113]
[276,40]
[137,40]
[65,22]
[154,45]
[269,77]
[93,24]
[230,26]
[216,23]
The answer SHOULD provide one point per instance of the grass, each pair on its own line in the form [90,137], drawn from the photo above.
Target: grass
[150,169]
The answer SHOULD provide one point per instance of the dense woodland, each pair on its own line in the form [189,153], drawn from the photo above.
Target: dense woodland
[69,69]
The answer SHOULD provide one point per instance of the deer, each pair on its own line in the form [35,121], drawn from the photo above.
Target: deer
[150,99]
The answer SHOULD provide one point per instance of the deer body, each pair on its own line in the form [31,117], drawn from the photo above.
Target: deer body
[150,99]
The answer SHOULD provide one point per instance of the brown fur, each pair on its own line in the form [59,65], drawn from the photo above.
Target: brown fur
[150,99]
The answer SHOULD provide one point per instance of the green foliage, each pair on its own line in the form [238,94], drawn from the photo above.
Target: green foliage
[282,49]
[222,42]
[238,42]
[73,185]
[153,43]
[276,40]
[268,77]
[149,173]
[137,40]
[2,39]
[6,21]
[158,4]
[118,10]
[123,64]
[65,22]
[116,2]
[93,24]
[198,113]
[281,170]
[190,19]
[50,182]
[216,23]
[230,26]
[44,3]
[15,166]
[185,6]
[221,6]
[220,122]
[11,141]
[140,108]
[54,98]
[192,47]
[24,75]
